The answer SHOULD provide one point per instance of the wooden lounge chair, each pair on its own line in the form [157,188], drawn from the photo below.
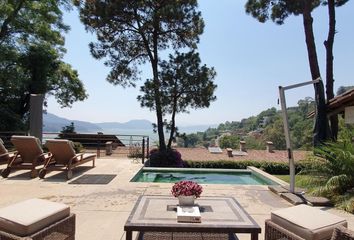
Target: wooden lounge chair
[64,158]
[29,155]
[4,154]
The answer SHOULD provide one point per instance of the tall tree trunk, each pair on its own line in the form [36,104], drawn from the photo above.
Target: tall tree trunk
[321,129]
[159,117]
[329,64]
[157,93]
[173,121]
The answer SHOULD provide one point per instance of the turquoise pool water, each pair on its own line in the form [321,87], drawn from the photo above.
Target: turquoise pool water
[241,177]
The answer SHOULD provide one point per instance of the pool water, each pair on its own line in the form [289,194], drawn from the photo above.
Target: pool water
[241,177]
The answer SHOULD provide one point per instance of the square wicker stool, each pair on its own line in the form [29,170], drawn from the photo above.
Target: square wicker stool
[302,222]
[37,219]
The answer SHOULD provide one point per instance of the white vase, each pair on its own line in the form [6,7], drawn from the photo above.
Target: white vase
[186,200]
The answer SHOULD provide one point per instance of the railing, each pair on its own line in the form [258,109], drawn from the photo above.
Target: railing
[133,146]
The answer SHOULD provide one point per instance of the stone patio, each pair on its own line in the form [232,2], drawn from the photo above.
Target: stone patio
[101,210]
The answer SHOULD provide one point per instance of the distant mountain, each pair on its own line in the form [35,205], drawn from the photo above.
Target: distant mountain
[132,124]
[53,123]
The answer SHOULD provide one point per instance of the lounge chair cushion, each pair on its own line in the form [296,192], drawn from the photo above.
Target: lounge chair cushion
[29,148]
[27,217]
[62,150]
[307,222]
[2,147]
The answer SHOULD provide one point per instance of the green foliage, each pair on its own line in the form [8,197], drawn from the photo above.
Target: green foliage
[275,133]
[253,142]
[268,126]
[343,89]
[185,84]
[189,140]
[229,141]
[301,181]
[131,33]
[277,10]
[334,171]
[69,129]
[78,147]
[24,22]
[270,167]
[31,46]
[346,131]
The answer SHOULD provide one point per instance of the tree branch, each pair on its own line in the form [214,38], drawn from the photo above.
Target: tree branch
[4,28]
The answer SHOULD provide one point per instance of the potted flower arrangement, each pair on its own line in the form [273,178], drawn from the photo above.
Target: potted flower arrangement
[186,192]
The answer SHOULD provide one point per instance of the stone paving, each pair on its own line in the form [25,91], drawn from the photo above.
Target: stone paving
[101,210]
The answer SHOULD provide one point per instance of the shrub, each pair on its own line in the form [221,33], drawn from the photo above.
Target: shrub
[78,147]
[229,141]
[335,168]
[275,168]
[170,158]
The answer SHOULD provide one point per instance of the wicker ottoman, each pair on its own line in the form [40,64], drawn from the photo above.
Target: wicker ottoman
[302,222]
[37,219]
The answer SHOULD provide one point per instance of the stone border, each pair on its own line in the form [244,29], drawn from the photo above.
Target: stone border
[267,177]
[271,180]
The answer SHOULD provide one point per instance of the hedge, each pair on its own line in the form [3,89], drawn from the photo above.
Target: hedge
[275,168]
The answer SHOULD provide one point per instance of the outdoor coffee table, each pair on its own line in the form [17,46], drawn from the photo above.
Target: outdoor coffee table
[219,215]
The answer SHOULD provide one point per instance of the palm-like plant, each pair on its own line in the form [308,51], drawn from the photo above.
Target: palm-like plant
[333,173]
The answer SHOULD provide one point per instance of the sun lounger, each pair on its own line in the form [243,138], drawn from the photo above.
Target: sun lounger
[64,158]
[31,155]
[4,154]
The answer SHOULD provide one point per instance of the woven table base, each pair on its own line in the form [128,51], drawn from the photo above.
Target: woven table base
[185,236]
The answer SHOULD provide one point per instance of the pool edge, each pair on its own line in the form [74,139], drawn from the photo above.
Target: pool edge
[267,176]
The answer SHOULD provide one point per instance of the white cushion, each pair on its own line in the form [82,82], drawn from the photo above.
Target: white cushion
[27,217]
[307,222]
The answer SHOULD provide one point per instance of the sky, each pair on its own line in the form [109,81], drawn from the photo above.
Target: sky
[251,60]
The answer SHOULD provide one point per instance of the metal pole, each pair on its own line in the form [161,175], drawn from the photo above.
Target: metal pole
[286,128]
[287,138]
[143,152]
[147,147]
[99,144]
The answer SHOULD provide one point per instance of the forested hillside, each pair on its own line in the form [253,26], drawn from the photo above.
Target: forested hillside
[256,130]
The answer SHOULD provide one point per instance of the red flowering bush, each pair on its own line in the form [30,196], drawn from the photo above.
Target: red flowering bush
[186,188]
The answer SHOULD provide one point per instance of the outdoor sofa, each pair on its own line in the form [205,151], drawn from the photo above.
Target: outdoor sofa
[37,219]
[304,222]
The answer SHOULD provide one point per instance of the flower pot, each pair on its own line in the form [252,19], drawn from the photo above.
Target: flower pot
[186,200]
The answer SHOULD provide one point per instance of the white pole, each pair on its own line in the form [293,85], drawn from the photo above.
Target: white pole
[286,128]
[287,139]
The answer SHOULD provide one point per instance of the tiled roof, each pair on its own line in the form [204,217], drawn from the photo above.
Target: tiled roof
[337,104]
[202,154]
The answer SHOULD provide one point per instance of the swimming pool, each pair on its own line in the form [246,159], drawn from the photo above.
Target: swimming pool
[205,176]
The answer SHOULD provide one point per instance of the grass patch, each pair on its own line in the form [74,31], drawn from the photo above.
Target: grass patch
[301,181]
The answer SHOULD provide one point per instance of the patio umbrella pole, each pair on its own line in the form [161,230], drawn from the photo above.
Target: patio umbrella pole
[286,128]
